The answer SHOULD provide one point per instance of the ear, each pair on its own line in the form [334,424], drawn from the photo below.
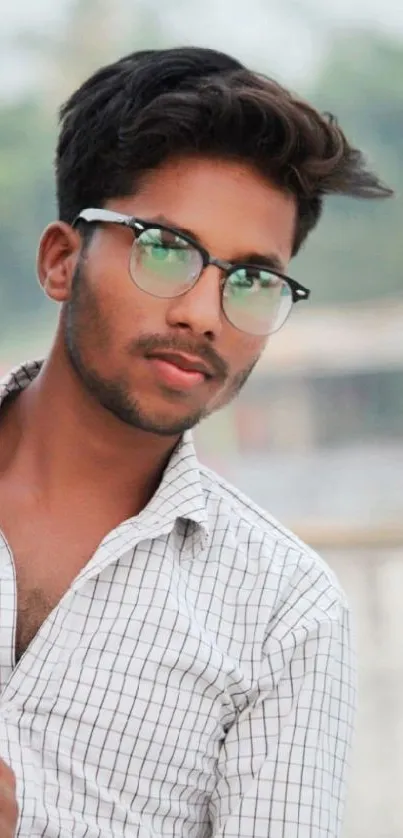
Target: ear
[58,254]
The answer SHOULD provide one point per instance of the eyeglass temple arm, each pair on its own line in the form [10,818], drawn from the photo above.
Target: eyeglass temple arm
[103,215]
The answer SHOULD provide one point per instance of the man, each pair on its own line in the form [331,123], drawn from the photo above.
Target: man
[173,661]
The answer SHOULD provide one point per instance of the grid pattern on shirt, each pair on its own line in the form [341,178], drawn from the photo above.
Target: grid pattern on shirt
[196,680]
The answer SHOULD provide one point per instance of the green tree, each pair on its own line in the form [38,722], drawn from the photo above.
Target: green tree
[26,205]
[94,32]
[357,252]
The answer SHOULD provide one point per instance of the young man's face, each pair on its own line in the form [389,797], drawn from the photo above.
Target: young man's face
[110,324]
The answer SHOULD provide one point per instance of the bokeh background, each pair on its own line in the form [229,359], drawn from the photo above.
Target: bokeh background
[316,438]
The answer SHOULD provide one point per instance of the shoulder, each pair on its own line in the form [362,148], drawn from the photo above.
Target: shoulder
[249,537]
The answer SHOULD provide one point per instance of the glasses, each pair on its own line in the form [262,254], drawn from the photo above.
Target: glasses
[167,263]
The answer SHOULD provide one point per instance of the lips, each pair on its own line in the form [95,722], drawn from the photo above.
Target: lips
[174,378]
[188,363]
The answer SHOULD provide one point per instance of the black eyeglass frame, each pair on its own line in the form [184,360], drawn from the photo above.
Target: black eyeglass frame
[138,226]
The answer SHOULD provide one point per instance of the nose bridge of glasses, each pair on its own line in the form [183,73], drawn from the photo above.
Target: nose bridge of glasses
[210,279]
[200,304]
[218,274]
[222,264]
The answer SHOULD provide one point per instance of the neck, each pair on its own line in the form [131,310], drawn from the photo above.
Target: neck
[61,442]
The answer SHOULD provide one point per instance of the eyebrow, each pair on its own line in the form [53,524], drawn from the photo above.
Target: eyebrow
[268,260]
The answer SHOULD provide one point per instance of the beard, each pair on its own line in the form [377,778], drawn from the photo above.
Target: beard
[86,333]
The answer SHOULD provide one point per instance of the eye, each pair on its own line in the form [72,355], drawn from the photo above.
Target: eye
[244,281]
[164,245]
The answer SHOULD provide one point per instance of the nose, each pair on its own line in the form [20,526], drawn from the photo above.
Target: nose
[199,309]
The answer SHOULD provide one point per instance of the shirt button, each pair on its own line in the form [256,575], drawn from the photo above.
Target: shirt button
[8,710]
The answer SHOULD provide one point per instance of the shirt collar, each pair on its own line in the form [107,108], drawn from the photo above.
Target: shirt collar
[180,493]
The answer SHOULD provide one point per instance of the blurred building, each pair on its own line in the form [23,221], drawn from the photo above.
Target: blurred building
[330,377]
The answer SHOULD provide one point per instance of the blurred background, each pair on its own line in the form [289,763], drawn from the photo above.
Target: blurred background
[317,436]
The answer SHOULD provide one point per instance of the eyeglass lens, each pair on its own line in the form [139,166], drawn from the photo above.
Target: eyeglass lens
[165,265]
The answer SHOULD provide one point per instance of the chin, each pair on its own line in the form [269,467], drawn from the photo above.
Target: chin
[161,422]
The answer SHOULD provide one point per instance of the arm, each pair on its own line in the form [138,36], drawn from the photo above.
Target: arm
[281,772]
[8,802]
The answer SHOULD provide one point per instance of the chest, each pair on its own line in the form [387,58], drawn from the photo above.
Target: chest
[38,593]
[45,564]
[128,716]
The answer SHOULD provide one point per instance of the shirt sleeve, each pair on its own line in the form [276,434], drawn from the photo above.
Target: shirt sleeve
[282,766]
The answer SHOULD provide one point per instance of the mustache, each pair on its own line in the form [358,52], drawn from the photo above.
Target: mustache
[149,344]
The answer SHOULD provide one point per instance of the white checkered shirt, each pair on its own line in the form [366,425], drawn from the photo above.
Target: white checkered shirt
[195,680]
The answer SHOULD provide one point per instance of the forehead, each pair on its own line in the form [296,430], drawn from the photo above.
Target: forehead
[230,207]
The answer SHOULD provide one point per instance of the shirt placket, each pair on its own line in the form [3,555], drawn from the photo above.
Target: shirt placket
[8,607]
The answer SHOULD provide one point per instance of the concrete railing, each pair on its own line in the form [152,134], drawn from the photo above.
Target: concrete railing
[323,536]
[369,564]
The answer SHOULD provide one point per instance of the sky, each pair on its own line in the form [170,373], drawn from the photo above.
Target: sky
[289,35]
[383,13]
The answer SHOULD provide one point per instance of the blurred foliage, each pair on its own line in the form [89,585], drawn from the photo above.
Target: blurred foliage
[26,203]
[357,251]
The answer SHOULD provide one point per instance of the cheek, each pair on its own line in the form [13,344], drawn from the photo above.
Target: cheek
[123,313]
[242,356]
[244,352]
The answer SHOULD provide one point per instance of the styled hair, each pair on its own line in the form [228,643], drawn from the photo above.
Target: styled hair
[133,115]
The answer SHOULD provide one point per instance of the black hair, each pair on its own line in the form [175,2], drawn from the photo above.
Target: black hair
[131,116]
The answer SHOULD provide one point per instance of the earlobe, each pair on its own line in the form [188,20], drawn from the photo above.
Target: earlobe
[58,253]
